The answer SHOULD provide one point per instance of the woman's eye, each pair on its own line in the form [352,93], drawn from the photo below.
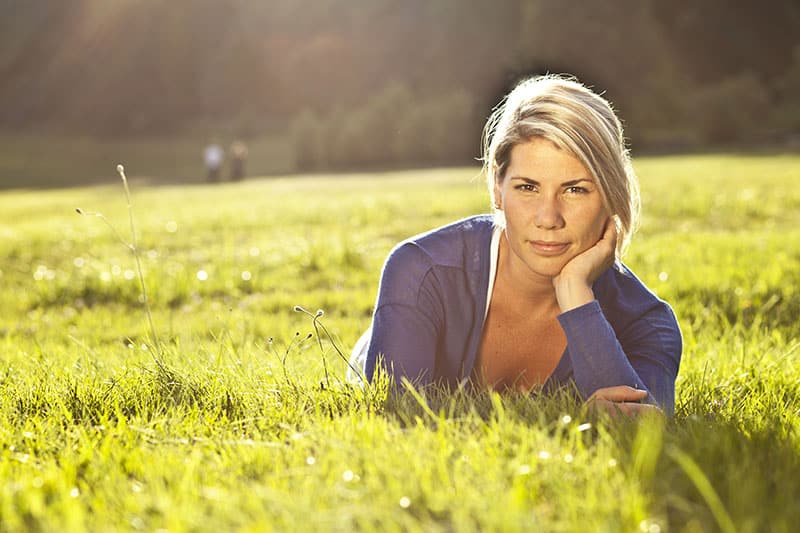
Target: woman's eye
[526,187]
[576,190]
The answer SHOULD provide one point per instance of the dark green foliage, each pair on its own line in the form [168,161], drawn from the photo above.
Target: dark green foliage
[383,83]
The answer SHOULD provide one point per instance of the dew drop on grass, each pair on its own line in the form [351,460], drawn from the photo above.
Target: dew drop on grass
[585,426]
[405,502]
[171,226]
[128,274]
[254,252]
[74,492]
[568,458]
[612,463]
[566,419]
[247,276]
[544,455]
[310,460]
[524,470]
[747,194]
[202,275]
[649,527]
[348,475]
[79,262]
[663,276]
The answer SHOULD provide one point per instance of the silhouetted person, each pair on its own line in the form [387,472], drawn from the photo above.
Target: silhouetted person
[238,155]
[212,157]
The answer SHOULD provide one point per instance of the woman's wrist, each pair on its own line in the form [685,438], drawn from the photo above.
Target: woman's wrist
[572,293]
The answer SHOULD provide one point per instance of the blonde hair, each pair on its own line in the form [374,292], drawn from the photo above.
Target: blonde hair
[577,120]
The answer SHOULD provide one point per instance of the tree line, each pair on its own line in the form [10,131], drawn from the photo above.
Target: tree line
[356,82]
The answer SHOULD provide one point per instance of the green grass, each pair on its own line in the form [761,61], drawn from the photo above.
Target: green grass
[241,429]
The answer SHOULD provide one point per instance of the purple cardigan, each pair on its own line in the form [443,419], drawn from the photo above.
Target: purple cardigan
[429,315]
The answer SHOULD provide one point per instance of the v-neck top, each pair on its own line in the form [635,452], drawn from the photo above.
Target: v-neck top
[494,257]
[432,302]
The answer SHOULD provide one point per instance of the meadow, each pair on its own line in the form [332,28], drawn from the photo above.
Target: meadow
[236,415]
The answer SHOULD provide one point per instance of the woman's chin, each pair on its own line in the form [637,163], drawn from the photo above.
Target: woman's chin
[549,268]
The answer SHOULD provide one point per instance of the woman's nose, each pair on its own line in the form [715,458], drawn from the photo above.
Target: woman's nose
[548,215]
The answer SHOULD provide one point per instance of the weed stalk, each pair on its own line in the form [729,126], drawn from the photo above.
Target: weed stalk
[134,248]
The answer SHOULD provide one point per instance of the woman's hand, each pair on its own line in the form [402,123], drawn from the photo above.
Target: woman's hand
[573,284]
[621,399]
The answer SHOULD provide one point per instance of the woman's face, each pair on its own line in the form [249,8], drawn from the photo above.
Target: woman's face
[553,207]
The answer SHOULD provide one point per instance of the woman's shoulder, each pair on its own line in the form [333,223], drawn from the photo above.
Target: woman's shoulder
[450,257]
[460,244]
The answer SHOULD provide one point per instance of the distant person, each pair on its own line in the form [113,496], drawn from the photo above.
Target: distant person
[238,157]
[533,295]
[212,157]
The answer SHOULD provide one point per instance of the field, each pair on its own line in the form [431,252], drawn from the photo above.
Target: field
[236,416]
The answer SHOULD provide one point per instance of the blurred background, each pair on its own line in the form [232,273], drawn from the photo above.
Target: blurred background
[334,85]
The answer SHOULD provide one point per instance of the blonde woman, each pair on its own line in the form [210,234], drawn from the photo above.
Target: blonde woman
[534,294]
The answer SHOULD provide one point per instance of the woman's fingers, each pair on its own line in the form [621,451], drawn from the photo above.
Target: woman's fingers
[610,237]
[619,393]
[638,409]
[610,232]
[625,408]
[621,399]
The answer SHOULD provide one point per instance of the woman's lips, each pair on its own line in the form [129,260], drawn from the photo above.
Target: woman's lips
[549,247]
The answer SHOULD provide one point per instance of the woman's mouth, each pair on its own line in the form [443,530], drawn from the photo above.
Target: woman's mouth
[549,247]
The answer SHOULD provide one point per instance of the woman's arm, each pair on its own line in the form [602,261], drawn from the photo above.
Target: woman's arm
[407,319]
[645,357]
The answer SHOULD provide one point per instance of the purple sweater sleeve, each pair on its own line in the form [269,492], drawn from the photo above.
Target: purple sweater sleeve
[407,319]
[646,354]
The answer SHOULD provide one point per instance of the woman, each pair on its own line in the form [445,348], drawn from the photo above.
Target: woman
[534,295]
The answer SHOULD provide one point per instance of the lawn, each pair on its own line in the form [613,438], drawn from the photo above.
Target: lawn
[236,417]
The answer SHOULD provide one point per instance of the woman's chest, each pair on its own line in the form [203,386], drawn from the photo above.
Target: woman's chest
[518,351]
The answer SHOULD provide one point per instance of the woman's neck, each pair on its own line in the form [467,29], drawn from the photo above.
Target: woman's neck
[511,272]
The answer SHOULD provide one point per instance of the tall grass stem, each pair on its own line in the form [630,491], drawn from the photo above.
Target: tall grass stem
[134,244]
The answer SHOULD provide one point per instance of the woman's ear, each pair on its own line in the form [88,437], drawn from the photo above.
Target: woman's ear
[498,195]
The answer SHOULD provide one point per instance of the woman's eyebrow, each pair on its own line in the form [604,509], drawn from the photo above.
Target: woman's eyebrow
[569,183]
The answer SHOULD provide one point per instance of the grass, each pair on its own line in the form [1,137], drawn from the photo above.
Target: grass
[240,429]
